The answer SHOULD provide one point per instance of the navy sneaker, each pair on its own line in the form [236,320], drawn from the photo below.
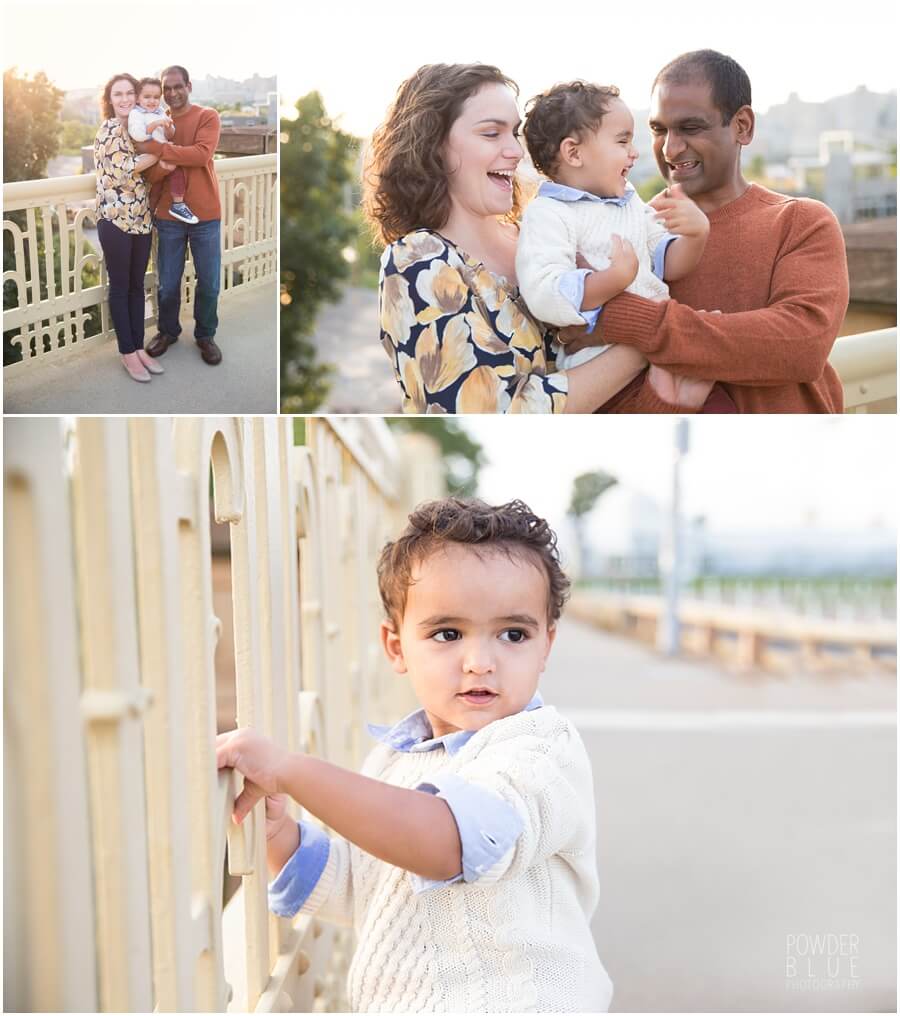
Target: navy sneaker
[181,211]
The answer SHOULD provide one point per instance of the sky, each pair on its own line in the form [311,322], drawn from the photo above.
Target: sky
[774,472]
[357,52]
[80,50]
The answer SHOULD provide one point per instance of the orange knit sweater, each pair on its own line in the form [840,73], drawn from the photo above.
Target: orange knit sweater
[777,269]
[193,147]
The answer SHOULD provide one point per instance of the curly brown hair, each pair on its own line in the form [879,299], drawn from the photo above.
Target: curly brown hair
[405,179]
[148,81]
[563,111]
[106,107]
[512,529]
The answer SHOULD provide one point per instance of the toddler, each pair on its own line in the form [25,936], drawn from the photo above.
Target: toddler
[581,136]
[148,120]
[464,854]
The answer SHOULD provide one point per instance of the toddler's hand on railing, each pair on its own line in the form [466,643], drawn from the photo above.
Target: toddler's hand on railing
[257,759]
[276,814]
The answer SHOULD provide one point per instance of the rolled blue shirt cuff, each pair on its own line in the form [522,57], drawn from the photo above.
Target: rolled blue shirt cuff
[488,827]
[571,286]
[295,882]
[659,255]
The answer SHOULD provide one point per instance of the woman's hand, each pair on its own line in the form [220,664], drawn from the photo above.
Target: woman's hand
[259,761]
[678,390]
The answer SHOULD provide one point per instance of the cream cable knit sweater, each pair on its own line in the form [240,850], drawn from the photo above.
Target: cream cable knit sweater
[518,939]
[551,233]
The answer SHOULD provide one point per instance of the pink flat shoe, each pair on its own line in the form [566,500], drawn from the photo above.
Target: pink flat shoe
[137,375]
[151,364]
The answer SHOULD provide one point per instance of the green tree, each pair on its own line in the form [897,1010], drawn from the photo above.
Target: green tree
[462,456]
[317,168]
[31,137]
[587,490]
[74,135]
[30,125]
[650,188]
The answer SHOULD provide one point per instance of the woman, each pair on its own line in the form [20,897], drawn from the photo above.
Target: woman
[441,192]
[124,223]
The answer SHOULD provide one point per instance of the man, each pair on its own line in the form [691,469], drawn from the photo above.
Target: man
[193,147]
[775,266]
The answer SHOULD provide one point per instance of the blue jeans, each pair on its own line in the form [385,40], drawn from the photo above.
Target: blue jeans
[126,256]
[206,250]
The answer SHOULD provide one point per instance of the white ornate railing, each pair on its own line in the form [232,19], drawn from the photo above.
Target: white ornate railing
[867,366]
[116,821]
[51,307]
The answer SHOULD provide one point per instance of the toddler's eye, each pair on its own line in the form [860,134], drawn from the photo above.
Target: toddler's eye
[446,635]
[514,635]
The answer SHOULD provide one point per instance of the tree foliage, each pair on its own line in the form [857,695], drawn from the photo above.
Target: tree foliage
[587,490]
[30,125]
[317,169]
[462,456]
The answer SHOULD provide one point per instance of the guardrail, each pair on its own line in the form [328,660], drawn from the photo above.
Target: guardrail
[747,638]
[867,366]
[116,820]
[51,313]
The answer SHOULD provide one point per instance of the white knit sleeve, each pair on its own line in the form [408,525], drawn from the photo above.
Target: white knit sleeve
[549,784]
[136,125]
[545,253]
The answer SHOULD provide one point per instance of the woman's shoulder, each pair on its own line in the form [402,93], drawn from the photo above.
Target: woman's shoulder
[418,247]
[111,130]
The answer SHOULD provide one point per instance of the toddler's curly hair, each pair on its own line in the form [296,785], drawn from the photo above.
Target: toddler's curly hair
[564,111]
[512,529]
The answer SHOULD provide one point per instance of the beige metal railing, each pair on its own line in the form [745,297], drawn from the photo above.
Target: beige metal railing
[116,821]
[867,366]
[44,223]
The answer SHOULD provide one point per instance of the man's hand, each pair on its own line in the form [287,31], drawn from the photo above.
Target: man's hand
[679,214]
[258,759]
[145,147]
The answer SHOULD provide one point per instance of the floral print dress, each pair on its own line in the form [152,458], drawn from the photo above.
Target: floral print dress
[121,192]
[461,339]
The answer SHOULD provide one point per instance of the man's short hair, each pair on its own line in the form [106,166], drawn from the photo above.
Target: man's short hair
[564,111]
[511,529]
[727,80]
[181,70]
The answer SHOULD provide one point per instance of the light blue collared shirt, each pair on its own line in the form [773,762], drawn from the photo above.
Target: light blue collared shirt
[571,283]
[488,826]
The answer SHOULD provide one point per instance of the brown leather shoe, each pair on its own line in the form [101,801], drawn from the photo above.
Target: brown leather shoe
[210,352]
[160,343]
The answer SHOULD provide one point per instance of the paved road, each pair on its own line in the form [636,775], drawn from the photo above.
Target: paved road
[94,382]
[734,812]
[346,336]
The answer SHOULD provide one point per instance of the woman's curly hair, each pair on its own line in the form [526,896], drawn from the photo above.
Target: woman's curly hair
[106,106]
[563,111]
[405,179]
[512,529]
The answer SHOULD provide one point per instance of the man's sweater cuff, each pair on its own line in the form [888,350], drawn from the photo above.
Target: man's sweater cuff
[633,321]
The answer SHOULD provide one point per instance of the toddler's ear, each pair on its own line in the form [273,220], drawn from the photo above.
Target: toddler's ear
[569,151]
[551,635]
[390,643]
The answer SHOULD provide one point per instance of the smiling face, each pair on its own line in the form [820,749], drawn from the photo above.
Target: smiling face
[482,151]
[150,97]
[474,636]
[121,97]
[599,163]
[176,90]
[691,144]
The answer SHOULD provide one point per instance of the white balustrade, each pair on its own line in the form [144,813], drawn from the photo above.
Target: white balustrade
[117,825]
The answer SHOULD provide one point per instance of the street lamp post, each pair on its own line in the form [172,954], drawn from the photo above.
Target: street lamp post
[671,554]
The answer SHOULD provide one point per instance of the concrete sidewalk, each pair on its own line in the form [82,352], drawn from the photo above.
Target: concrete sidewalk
[246,381]
[724,847]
